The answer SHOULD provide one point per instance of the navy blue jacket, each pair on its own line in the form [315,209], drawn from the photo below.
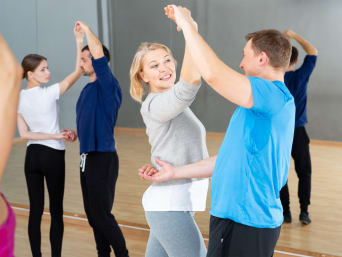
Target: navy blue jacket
[97,110]
[297,83]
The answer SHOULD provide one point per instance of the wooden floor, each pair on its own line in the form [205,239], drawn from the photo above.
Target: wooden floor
[323,236]
[79,231]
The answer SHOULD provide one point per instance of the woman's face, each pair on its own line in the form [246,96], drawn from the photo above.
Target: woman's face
[41,74]
[159,70]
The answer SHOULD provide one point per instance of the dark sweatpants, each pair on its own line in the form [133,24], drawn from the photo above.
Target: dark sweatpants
[230,239]
[45,162]
[301,156]
[98,188]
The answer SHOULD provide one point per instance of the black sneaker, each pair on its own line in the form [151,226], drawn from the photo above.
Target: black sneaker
[287,217]
[304,218]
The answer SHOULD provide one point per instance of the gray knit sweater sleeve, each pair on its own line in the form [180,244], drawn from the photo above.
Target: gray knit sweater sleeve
[169,104]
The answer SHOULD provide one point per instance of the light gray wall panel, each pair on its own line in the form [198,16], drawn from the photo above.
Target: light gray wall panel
[18,26]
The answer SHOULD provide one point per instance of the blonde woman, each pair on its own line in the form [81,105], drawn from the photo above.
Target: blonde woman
[176,136]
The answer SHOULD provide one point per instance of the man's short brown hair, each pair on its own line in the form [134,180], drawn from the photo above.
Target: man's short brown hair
[275,44]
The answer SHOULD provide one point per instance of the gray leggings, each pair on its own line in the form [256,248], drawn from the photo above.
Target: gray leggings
[174,234]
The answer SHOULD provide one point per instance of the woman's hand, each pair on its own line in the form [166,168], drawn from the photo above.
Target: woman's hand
[59,136]
[181,16]
[147,170]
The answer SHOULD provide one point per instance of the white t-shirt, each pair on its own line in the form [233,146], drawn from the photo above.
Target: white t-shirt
[39,107]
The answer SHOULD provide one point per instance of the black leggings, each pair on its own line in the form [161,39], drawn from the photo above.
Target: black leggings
[42,161]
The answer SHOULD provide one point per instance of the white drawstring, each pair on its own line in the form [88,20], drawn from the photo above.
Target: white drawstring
[83,161]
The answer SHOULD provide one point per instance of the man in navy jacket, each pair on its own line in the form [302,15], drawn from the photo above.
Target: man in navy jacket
[297,83]
[96,115]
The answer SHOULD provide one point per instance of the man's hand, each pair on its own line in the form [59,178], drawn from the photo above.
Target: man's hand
[78,32]
[307,46]
[289,33]
[69,135]
[147,170]
[82,26]
[167,172]
[95,45]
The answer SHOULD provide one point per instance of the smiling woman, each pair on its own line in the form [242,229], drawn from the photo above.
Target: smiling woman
[170,206]
[154,66]
[159,70]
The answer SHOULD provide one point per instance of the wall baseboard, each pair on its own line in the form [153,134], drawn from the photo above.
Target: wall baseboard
[209,134]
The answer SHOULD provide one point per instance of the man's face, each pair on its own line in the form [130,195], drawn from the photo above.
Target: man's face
[251,62]
[86,64]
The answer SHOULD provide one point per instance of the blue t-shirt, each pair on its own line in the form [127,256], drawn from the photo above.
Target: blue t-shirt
[253,161]
[297,82]
[97,110]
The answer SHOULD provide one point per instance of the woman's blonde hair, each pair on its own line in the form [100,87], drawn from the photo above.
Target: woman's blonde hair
[137,84]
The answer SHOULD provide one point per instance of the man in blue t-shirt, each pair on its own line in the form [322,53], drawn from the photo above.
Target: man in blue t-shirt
[297,82]
[96,113]
[253,161]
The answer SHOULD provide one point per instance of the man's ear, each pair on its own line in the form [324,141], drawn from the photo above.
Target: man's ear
[263,59]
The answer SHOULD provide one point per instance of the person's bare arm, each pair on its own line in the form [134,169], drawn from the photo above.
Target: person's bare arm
[67,83]
[95,45]
[189,72]
[229,83]
[307,46]
[200,169]
[10,77]
[26,134]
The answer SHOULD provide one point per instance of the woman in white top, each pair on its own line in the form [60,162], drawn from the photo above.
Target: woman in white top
[38,123]
[178,137]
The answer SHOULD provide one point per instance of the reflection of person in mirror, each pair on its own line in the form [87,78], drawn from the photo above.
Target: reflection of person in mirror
[254,158]
[10,77]
[297,82]
[45,155]
[96,114]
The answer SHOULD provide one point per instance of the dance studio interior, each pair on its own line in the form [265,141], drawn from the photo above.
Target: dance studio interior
[47,28]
